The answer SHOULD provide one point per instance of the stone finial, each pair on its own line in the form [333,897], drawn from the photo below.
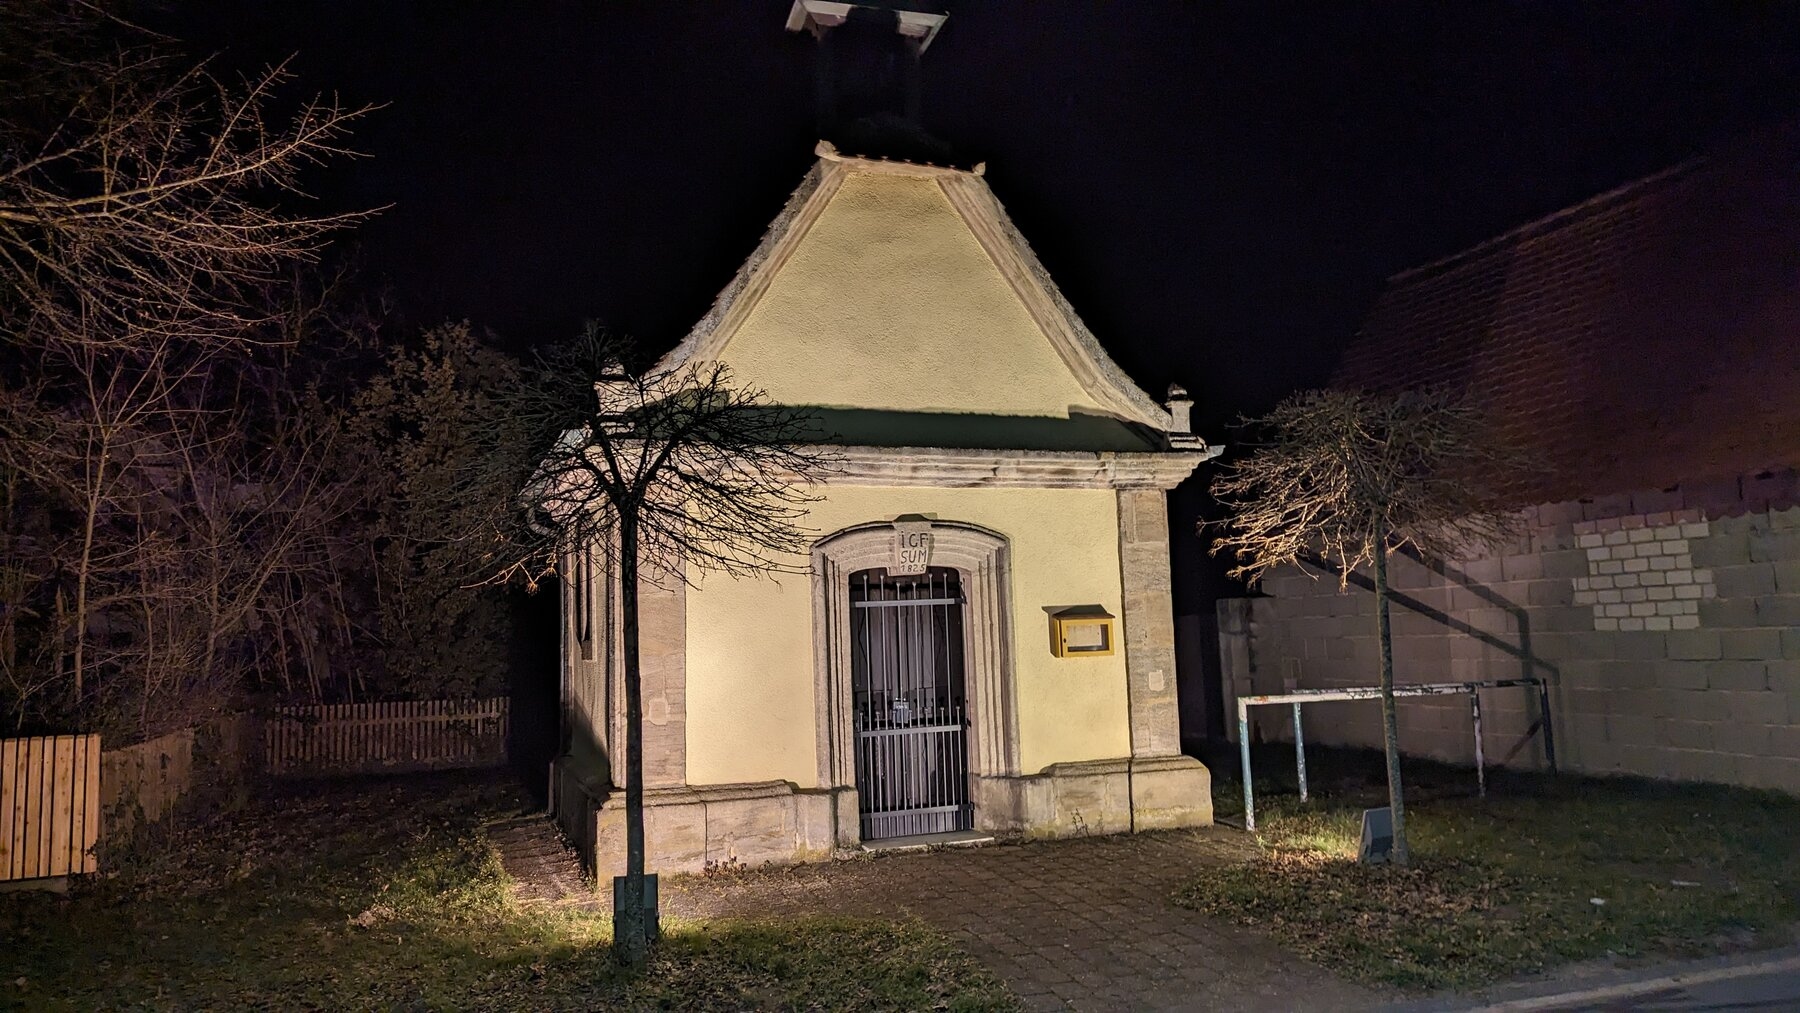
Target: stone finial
[613,394]
[1181,410]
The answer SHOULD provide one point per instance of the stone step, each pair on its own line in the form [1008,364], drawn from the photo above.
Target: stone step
[543,867]
[921,842]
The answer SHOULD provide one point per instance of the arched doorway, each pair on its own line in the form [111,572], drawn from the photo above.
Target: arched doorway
[910,714]
[971,560]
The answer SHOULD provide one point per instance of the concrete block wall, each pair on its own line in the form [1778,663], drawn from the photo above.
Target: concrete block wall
[1670,639]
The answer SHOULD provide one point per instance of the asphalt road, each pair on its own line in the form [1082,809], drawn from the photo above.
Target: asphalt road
[1744,982]
[1778,989]
[1747,983]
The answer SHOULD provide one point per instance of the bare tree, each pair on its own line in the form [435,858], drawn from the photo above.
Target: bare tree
[1350,476]
[670,475]
[147,227]
[147,200]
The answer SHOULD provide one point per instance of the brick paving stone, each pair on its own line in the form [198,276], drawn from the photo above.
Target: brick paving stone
[1087,923]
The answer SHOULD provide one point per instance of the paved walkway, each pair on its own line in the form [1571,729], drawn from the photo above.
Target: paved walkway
[1083,924]
[1075,924]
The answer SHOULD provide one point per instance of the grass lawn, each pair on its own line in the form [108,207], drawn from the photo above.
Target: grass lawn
[383,894]
[1507,885]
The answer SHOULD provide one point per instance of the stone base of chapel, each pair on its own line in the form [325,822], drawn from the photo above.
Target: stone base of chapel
[695,827]
[1097,797]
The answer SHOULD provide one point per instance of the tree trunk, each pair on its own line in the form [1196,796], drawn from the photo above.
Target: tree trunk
[1390,723]
[84,567]
[631,937]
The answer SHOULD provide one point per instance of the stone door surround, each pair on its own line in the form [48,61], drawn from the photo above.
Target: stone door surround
[981,558]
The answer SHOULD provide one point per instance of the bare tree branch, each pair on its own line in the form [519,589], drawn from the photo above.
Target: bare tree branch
[1351,476]
[718,478]
[1340,473]
[166,492]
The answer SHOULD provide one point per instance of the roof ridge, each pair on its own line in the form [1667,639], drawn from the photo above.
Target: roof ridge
[830,152]
[1543,224]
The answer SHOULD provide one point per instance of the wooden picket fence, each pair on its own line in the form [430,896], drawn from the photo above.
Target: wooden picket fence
[49,806]
[368,738]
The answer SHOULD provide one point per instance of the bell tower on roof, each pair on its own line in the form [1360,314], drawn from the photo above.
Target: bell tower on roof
[867,78]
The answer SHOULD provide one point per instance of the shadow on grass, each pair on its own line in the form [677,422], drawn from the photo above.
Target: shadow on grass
[383,893]
[1543,871]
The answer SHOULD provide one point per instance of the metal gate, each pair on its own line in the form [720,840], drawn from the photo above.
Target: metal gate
[912,758]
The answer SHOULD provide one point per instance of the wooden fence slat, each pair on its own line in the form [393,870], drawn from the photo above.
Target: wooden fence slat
[9,758]
[61,782]
[71,847]
[36,832]
[21,807]
[21,783]
[77,803]
[90,838]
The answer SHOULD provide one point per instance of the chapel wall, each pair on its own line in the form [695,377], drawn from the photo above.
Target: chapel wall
[751,713]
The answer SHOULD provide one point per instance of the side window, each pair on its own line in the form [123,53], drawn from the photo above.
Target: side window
[581,585]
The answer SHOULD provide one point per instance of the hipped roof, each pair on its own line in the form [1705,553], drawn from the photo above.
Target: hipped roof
[969,193]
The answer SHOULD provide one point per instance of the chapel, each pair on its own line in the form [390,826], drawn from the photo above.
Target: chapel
[983,643]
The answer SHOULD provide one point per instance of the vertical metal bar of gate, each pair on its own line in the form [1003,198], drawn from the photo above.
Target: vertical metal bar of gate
[912,756]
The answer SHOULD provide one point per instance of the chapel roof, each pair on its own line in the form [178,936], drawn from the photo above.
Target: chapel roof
[1135,420]
[1646,338]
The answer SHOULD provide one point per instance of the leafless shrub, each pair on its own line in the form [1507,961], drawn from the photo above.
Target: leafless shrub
[161,491]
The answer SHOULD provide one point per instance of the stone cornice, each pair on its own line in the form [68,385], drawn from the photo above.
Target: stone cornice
[1016,469]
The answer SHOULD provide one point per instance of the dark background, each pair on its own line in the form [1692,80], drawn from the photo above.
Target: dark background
[1218,188]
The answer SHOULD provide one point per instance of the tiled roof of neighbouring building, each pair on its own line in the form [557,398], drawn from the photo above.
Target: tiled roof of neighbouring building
[1647,338]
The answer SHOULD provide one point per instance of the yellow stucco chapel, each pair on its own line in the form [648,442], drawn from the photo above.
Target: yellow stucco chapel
[982,642]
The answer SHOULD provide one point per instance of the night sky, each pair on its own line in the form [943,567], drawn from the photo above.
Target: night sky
[1219,189]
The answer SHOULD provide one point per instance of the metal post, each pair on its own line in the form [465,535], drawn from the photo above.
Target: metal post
[1244,756]
[1549,734]
[1299,752]
[1480,766]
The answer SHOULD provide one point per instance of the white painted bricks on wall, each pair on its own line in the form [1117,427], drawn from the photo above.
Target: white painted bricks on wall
[1641,575]
[1697,679]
